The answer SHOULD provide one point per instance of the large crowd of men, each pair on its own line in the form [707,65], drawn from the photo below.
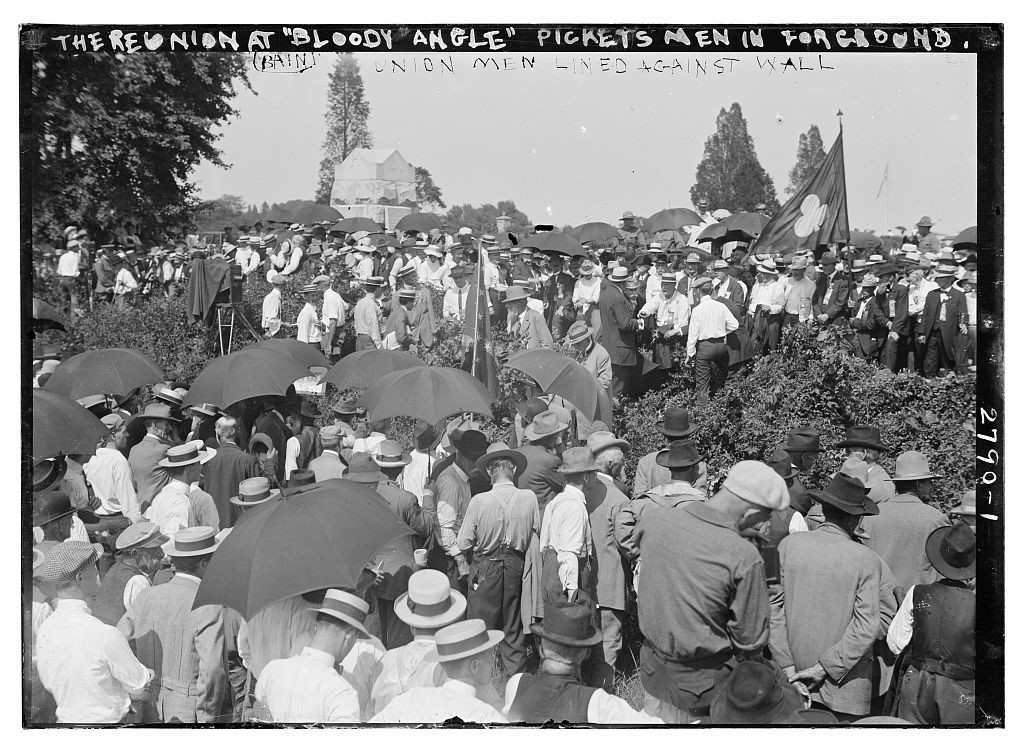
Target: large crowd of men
[768,601]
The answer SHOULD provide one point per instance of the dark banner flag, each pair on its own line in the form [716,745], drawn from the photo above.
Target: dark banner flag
[476,332]
[816,215]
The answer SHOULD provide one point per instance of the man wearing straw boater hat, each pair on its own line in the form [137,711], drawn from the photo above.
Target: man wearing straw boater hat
[182,644]
[495,535]
[252,493]
[937,621]
[897,534]
[271,317]
[366,317]
[170,508]
[464,651]
[144,458]
[307,687]
[942,333]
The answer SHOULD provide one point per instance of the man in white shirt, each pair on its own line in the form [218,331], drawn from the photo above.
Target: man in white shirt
[671,311]
[247,255]
[366,317]
[87,665]
[332,315]
[565,535]
[307,688]
[799,292]
[454,306]
[307,326]
[415,475]
[710,322]
[465,652]
[170,507]
[125,283]
[271,320]
[767,300]
[67,271]
[110,476]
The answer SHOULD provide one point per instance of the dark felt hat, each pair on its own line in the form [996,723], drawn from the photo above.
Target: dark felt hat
[863,436]
[803,440]
[50,506]
[953,551]
[679,454]
[755,694]
[569,624]
[782,464]
[676,423]
[847,494]
[47,473]
[301,477]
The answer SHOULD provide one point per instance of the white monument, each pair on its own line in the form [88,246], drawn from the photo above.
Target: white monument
[376,183]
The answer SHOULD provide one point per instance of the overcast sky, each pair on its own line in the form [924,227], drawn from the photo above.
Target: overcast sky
[570,147]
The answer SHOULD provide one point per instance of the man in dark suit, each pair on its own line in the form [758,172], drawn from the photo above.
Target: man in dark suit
[832,291]
[893,300]
[943,323]
[727,287]
[560,313]
[868,320]
[271,423]
[618,331]
[230,466]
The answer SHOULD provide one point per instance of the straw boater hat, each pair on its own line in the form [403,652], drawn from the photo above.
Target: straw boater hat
[389,454]
[430,602]
[254,491]
[912,466]
[346,607]
[618,275]
[569,624]
[768,266]
[463,639]
[578,332]
[501,450]
[277,279]
[195,541]
[952,551]
[544,425]
[184,455]
[167,395]
[968,504]
[374,282]
[207,409]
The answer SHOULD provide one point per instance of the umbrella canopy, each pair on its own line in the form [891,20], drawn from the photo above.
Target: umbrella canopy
[355,223]
[748,224]
[712,232]
[249,373]
[558,374]
[319,536]
[967,239]
[554,241]
[428,393]
[45,315]
[313,213]
[109,370]
[864,239]
[673,218]
[418,222]
[60,426]
[278,215]
[595,231]
[363,368]
[303,353]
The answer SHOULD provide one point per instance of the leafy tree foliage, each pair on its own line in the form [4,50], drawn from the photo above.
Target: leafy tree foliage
[484,219]
[427,193]
[227,210]
[810,154]
[114,138]
[347,114]
[730,176]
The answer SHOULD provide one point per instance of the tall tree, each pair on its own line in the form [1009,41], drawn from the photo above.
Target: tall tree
[730,176]
[484,219]
[264,208]
[428,195]
[346,116]
[227,210]
[810,153]
[113,139]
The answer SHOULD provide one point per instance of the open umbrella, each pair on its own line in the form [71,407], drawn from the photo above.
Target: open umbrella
[353,224]
[60,426]
[428,393]
[45,315]
[554,241]
[249,373]
[672,218]
[967,239]
[290,347]
[418,222]
[363,368]
[865,240]
[319,536]
[558,374]
[711,232]
[595,231]
[313,213]
[108,370]
[278,216]
[748,224]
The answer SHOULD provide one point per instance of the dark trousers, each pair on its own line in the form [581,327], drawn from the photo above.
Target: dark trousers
[364,342]
[890,358]
[935,700]
[621,377]
[935,356]
[710,365]
[394,633]
[495,595]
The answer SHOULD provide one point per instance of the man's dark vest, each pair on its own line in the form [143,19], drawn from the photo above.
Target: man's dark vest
[943,641]
[309,446]
[109,604]
[547,697]
[774,530]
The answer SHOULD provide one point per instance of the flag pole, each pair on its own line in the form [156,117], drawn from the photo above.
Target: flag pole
[846,215]
[476,327]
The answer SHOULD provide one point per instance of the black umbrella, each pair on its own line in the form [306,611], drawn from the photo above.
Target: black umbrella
[45,315]
[60,426]
[423,222]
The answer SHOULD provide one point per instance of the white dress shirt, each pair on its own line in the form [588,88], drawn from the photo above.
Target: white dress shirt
[292,263]
[124,282]
[333,307]
[673,311]
[414,476]
[901,628]
[566,529]
[403,669]
[710,319]
[291,456]
[307,326]
[248,259]
[587,291]
[437,704]
[360,667]
[771,295]
[86,665]
[454,306]
[135,585]
[271,321]
[916,296]
[602,708]
[433,276]
[41,611]
[306,689]
[170,507]
[492,277]
[364,268]
[68,264]
[110,477]
[798,296]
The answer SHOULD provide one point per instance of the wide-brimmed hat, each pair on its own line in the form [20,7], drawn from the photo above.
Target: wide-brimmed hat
[912,466]
[968,504]
[668,279]
[529,408]
[781,462]
[49,506]
[430,602]
[309,410]
[180,456]
[389,454]
[676,423]
[755,482]
[261,439]
[254,491]
[869,281]
[301,477]
[63,561]
[471,443]
[363,470]
[515,293]
[602,439]
[195,541]
[47,473]
[953,551]
[803,440]
[924,221]
[155,411]
[346,406]
[755,694]
[346,607]
[570,624]
[860,435]
[501,450]
[679,454]
[946,269]
[847,494]
[578,332]
[578,460]
[141,535]
[463,639]
[544,425]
